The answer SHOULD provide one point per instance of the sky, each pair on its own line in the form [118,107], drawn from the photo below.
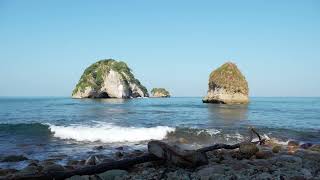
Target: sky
[46,45]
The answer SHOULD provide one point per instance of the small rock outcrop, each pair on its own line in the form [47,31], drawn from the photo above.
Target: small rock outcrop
[227,85]
[109,79]
[160,92]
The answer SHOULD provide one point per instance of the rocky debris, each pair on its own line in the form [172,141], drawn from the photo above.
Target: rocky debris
[221,164]
[160,92]
[13,158]
[227,85]
[109,79]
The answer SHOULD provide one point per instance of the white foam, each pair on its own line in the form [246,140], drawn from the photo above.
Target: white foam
[109,133]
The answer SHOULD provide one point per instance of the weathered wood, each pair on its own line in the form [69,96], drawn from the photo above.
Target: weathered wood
[176,155]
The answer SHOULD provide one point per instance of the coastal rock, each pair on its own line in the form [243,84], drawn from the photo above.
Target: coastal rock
[160,92]
[293,143]
[227,85]
[109,79]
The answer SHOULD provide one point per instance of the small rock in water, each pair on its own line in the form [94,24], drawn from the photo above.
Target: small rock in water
[293,143]
[276,149]
[306,145]
[99,148]
[248,149]
[14,158]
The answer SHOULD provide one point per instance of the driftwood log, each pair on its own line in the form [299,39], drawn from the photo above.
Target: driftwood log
[157,151]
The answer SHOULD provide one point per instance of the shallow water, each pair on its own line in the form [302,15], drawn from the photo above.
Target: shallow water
[46,127]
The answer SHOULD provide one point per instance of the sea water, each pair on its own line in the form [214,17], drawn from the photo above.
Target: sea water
[46,127]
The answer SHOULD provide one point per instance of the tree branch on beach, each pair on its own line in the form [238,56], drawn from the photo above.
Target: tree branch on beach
[157,151]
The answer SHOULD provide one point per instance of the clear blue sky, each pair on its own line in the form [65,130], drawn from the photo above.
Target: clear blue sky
[46,45]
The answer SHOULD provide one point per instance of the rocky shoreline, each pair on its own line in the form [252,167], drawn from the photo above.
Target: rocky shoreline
[269,161]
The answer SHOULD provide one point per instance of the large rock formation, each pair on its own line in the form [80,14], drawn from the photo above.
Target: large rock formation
[227,85]
[109,79]
[160,92]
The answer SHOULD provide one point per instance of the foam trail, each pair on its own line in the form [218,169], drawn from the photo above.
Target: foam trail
[109,133]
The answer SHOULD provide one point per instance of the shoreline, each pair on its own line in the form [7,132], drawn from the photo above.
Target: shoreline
[272,161]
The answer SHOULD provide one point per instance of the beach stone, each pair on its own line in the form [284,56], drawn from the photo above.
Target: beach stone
[208,171]
[177,175]
[248,149]
[306,145]
[14,158]
[276,149]
[263,154]
[293,143]
[113,174]
[53,168]
[315,147]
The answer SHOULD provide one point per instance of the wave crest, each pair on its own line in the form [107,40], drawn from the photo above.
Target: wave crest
[109,133]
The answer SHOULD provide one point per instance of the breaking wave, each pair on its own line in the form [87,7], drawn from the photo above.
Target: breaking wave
[109,133]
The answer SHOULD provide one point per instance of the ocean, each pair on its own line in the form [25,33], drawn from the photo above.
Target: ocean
[47,127]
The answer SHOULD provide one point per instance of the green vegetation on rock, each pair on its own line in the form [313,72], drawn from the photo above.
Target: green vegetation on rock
[160,92]
[93,76]
[229,77]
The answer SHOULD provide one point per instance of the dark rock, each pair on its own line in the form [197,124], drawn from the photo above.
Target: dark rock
[293,143]
[99,148]
[120,148]
[53,168]
[14,158]
[306,145]
[29,170]
[5,172]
